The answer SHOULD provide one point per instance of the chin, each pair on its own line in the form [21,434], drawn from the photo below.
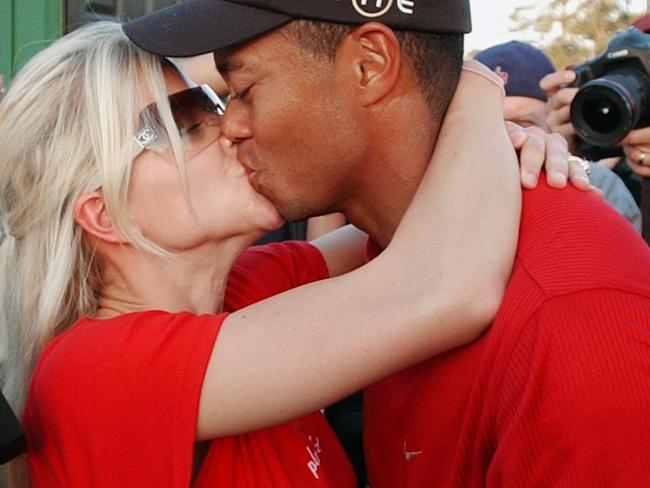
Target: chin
[267,214]
[276,223]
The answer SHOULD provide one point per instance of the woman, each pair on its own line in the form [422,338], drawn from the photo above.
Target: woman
[128,302]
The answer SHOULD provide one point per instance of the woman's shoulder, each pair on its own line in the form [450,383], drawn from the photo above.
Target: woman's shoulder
[104,383]
[116,348]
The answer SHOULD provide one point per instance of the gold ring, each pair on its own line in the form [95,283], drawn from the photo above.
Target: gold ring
[584,164]
[641,158]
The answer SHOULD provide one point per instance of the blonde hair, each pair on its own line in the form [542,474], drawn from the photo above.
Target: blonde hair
[66,127]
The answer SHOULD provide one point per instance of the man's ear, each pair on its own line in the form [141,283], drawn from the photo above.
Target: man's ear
[375,53]
[91,213]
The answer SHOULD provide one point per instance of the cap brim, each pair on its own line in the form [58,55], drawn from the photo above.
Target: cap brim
[200,26]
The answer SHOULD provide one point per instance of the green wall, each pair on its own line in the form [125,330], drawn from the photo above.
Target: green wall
[25,28]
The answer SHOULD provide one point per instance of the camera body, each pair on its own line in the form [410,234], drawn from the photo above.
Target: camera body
[614,94]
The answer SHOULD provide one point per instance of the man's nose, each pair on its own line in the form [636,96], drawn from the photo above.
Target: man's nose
[236,122]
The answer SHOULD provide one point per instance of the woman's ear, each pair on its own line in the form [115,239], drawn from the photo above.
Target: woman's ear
[91,213]
[375,53]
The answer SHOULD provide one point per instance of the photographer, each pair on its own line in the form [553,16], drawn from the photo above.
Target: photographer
[617,76]
[522,66]
[558,117]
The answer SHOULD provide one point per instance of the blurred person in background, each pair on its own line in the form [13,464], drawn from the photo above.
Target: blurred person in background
[633,164]
[522,67]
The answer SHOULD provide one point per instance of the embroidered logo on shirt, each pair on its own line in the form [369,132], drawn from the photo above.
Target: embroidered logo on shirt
[314,451]
[408,455]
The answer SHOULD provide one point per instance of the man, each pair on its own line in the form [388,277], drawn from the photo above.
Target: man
[341,112]
[522,67]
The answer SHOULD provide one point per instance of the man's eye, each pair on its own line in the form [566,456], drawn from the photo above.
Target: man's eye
[242,94]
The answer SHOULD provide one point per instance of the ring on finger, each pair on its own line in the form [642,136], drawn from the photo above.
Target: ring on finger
[641,158]
[584,164]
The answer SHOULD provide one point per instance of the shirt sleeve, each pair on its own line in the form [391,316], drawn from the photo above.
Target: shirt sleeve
[267,270]
[115,403]
[575,398]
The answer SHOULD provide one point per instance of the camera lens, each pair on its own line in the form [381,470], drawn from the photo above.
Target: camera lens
[605,109]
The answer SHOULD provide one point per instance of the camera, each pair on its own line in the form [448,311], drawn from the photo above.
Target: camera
[614,94]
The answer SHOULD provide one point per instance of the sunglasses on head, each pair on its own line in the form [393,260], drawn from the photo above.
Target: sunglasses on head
[197,114]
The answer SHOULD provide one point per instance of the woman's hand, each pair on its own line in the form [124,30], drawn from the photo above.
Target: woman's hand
[539,150]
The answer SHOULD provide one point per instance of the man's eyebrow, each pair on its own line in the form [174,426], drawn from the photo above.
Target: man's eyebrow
[227,67]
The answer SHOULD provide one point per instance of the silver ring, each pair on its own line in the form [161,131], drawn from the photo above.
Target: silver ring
[641,158]
[584,164]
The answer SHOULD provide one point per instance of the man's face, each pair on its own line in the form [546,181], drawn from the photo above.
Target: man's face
[294,124]
[526,111]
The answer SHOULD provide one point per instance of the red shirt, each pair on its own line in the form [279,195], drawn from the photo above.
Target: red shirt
[114,403]
[557,391]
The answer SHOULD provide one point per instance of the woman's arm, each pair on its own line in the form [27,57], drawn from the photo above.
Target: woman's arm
[437,285]
[321,225]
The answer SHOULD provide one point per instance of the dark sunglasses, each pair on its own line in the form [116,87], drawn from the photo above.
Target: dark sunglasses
[197,114]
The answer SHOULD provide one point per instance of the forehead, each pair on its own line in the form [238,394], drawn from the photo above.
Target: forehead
[269,52]
[173,81]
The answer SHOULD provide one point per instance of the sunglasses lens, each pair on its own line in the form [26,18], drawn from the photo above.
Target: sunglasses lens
[197,115]
[191,108]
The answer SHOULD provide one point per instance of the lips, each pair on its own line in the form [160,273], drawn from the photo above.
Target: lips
[251,171]
[252,176]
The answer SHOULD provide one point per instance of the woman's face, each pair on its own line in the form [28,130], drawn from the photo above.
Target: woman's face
[222,203]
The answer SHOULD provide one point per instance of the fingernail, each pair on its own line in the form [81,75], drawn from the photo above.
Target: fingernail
[561,177]
[520,138]
[584,178]
[530,179]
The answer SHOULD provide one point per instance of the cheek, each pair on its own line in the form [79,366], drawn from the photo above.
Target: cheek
[155,194]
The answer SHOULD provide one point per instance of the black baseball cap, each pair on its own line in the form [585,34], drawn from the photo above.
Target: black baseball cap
[199,26]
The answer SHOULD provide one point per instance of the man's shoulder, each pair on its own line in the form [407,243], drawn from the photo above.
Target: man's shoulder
[572,240]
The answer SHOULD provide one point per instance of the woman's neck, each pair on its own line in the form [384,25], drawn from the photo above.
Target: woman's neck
[195,281]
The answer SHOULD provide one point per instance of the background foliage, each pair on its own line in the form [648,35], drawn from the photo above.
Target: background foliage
[571,31]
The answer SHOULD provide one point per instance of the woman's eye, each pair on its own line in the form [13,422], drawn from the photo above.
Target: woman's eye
[188,130]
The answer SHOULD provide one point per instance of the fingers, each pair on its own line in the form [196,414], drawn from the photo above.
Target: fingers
[636,146]
[638,160]
[532,156]
[559,121]
[639,169]
[579,173]
[553,82]
[638,137]
[518,135]
[557,165]
[562,98]
[558,113]
[539,150]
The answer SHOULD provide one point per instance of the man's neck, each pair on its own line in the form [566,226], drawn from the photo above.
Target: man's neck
[390,181]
